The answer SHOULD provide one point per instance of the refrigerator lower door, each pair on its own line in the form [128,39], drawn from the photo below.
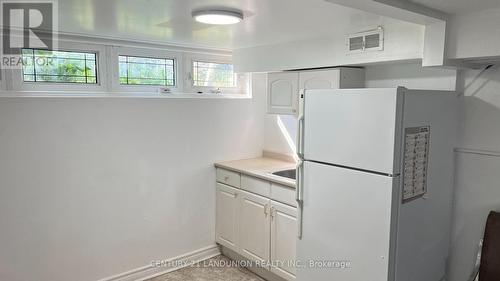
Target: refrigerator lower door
[346,225]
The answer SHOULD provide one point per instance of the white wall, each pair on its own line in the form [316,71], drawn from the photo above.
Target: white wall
[280,133]
[477,174]
[481,123]
[470,35]
[476,193]
[93,187]
[474,34]
[411,76]
[403,41]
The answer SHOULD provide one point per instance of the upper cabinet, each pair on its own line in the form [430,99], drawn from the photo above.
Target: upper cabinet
[284,87]
[326,79]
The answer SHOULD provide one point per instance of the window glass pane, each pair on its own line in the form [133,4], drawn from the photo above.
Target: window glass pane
[91,69]
[146,71]
[28,77]
[27,51]
[210,74]
[28,65]
[59,66]
[62,79]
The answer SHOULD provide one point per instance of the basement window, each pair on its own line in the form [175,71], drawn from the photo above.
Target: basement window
[213,75]
[59,66]
[146,71]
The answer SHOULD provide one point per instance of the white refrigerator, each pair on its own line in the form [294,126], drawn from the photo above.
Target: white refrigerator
[375,184]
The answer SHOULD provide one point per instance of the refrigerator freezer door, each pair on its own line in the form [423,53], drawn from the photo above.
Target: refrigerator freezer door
[358,128]
[346,218]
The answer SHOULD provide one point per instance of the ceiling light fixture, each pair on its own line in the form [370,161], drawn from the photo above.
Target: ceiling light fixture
[218,16]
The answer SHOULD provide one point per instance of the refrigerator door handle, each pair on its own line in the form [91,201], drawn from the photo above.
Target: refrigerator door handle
[299,193]
[300,125]
[300,137]
[299,172]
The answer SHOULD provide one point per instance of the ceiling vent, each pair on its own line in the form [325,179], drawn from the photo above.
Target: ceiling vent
[371,40]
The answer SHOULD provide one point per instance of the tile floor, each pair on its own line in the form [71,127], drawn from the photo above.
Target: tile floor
[207,272]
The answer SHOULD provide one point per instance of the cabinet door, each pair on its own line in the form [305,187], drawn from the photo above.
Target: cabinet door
[321,79]
[254,239]
[282,92]
[227,207]
[283,240]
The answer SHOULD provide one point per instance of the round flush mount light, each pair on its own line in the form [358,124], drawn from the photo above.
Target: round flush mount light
[218,16]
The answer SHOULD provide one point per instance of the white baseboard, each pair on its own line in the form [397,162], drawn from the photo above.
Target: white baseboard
[150,271]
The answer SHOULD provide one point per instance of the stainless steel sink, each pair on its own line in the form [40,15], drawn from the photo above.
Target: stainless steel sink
[286,173]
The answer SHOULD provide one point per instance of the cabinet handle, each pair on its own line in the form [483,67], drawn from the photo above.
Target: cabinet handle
[265,209]
[226,178]
[273,212]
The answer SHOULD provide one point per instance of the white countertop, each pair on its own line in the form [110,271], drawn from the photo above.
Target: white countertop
[262,168]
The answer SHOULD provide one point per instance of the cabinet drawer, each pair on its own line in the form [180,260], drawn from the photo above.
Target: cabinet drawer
[283,194]
[256,185]
[228,177]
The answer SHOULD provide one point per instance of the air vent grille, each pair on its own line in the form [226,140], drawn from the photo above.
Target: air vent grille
[372,40]
[356,43]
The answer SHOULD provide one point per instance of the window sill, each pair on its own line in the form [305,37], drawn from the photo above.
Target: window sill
[90,94]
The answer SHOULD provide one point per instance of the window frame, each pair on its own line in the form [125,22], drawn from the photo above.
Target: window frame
[242,80]
[18,83]
[107,50]
[116,86]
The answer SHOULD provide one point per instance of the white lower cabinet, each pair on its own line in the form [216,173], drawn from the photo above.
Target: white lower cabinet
[254,227]
[258,228]
[227,216]
[283,240]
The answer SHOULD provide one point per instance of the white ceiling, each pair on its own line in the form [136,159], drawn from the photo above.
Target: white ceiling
[266,21]
[459,6]
[170,21]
